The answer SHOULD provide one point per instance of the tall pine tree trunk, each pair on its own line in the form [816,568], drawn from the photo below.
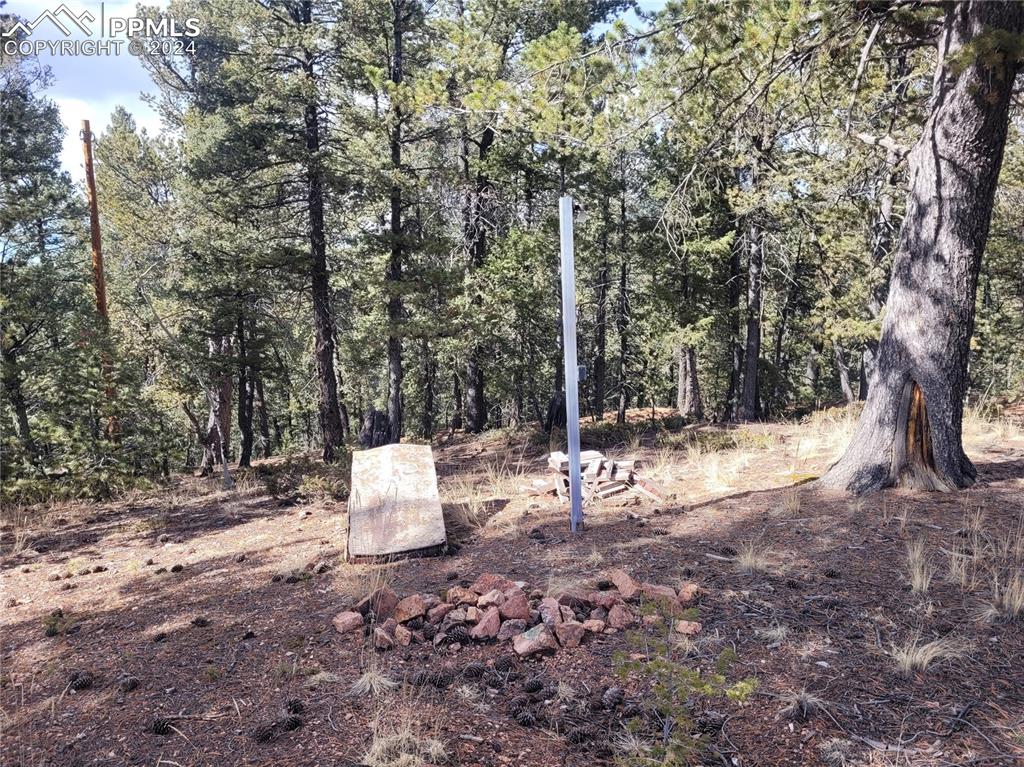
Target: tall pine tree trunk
[394,270]
[601,316]
[688,399]
[16,395]
[475,225]
[262,421]
[910,431]
[748,406]
[331,425]
[428,374]
[736,362]
[622,315]
[245,398]
[216,445]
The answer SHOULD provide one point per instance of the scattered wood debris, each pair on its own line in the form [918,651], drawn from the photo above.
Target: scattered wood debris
[602,477]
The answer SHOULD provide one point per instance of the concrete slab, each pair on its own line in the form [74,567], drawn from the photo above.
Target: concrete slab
[394,508]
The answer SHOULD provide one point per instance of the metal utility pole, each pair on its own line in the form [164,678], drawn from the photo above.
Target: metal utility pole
[572,403]
[98,280]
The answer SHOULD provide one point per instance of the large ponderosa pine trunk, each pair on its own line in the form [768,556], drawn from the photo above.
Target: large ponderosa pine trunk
[475,225]
[395,308]
[910,431]
[331,425]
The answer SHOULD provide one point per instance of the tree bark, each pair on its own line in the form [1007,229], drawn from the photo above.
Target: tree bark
[909,433]
[601,316]
[16,395]
[843,369]
[456,401]
[748,407]
[622,315]
[688,399]
[475,225]
[245,399]
[429,373]
[736,363]
[394,269]
[260,408]
[332,427]
[216,445]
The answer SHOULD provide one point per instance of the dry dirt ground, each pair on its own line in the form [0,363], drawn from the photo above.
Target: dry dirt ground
[219,604]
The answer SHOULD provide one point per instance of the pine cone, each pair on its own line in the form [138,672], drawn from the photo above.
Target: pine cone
[264,733]
[505,663]
[518,703]
[525,718]
[495,680]
[612,697]
[291,722]
[161,726]
[429,631]
[127,683]
[440,678]
[457,635]
[419,678]
[200,622]
[295,707]
[578,735]
[80,680]
[474,670]
[534,684]
[632,709]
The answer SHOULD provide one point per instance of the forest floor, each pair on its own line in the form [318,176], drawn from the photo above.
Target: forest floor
[219,603]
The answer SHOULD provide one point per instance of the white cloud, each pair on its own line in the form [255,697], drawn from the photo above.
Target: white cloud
[97,111]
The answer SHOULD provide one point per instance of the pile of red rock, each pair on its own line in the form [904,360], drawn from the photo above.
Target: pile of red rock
[494,607]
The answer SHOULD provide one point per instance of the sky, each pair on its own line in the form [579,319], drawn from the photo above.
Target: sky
[88,87]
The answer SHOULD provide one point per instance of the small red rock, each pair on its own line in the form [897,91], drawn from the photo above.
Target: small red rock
[437,614]
[382,602]
[489,582]
[689,628]
[536,640]
[594,626]
[511,628]
[620,617]
[347,621]
[515,606]
[488,625]
[491,598]
[403,636]
[413,606]
[460,596]
[627,587]
[570,633]
[550,612]
[655,592]
[689,593]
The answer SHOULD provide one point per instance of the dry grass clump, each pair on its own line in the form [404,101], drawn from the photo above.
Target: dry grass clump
[918,567]
[401,744]
[1007,598]
[753,557]
[373,682]
[802,705]
[913,655]
[776,634]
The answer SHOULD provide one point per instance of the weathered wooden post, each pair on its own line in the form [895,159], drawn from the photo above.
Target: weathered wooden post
[572,403]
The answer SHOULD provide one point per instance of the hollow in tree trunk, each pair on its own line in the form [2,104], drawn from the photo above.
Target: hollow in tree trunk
[909,433]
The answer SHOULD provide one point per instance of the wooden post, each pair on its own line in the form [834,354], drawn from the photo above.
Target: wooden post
[98,280]
[94,226]
[572,402]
